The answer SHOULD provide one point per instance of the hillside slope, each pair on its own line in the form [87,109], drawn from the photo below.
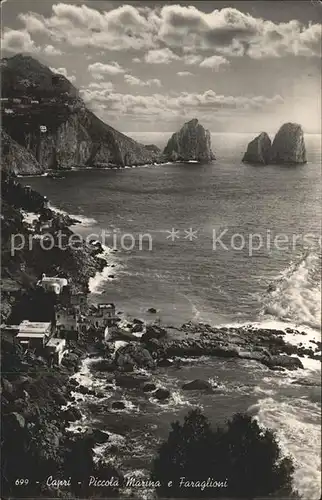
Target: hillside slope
[43,113]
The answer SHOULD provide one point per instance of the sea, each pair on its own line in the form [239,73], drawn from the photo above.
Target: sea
[220,243]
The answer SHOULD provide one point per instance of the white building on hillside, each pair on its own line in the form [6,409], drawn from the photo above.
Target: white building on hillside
[52,284]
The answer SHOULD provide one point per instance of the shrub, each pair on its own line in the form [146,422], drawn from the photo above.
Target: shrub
[240,460]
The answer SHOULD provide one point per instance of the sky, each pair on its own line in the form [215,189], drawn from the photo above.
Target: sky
[239,66]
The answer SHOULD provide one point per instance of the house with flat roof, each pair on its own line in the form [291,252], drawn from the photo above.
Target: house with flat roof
[52,284]
[34,335]
[102,315]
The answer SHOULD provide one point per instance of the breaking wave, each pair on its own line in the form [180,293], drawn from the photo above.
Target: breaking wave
[296,294]
[83,220]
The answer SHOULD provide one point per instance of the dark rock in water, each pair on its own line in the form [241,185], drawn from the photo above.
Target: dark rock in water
[137,328]
[71,414]
[288,146]
[152,310]
[154,332]
[161,394]
[258,150]
[289,362]
[197,385]
[192,142]
[149,387]
[165,362]
[118,405]
[73,383]
[83,390]
[130,381]
[103,365]
[135,355]
[96,436]
[100,437]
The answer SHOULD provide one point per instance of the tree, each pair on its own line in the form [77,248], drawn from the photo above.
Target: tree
[240,460]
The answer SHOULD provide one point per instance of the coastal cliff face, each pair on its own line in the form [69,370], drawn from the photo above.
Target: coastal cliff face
[288,146]
[258,150]
[43,114]
[192,142]
[15,159]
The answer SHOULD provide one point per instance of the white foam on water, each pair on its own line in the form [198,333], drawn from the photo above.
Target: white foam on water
[297,293]
[29,217]
[297,426]
[83,220]
[96,283]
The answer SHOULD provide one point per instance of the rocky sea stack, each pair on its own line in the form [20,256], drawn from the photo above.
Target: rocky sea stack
[191,143]
[288,147]
[258,150]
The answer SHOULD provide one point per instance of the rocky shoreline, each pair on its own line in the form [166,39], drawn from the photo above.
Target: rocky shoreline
[42,404]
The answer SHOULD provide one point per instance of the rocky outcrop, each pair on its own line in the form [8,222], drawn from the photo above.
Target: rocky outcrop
[258,150]
[54,125]
[192,142]
[15,159]
[288,146]
[197,385]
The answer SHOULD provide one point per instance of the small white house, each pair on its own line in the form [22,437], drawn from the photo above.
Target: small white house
[52,284]
[34,334]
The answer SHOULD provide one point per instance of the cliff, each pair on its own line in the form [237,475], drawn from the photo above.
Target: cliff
[288,146]
[258,150]
[16,159]
[192,142]
[43,113]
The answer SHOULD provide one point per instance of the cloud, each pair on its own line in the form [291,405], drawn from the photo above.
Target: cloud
[160,32]
[99,68]
[192,59]
[184,73]
[50,50]
[215,62]
[133,80]
[169,107]
[232,32]
[121,28]
[102,86]
[18,41]
[160,56]
[63,71]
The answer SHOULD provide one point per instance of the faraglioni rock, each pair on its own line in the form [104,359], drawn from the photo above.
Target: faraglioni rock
[288,147]
[258,150]
[191,143]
